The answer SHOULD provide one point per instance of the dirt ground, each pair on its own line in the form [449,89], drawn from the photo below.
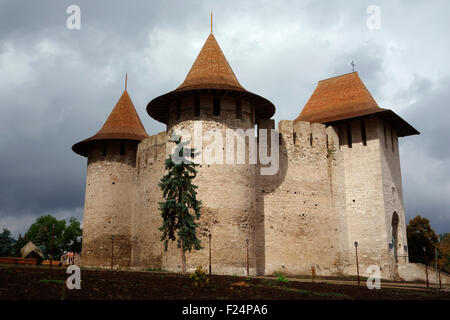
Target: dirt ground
[37,283]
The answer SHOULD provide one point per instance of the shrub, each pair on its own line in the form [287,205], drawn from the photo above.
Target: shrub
[199,277]
[281,277]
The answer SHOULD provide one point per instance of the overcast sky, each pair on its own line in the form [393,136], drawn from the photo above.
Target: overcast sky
[57,86]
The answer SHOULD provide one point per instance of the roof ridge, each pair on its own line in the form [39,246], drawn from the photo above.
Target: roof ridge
[341,75]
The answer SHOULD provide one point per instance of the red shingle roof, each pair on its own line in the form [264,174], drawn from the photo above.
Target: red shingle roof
[210,73]
[340,97]
[346,97]
[211,70]
[122,124]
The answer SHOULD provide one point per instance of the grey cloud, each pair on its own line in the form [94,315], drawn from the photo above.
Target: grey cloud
[425,158]
[58,86]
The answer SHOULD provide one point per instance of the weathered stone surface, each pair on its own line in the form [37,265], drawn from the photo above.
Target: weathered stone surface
[325,196]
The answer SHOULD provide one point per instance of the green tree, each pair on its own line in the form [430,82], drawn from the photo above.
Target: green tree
[71,236]
[420,235]
[181,207]
[53,236]
[19,244]
[444,253]
[6,243]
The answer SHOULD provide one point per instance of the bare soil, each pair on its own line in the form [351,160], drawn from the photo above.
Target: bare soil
[45,283]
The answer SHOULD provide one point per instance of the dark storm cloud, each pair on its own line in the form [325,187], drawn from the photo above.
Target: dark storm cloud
[57,86]
[426,158]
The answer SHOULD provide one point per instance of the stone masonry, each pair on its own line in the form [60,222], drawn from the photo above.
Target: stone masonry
[338,181]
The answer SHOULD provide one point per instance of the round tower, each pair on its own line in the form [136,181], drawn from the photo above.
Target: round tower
[211,98]
[111,161]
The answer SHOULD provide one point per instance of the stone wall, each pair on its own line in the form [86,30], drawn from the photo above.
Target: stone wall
[325,196]
[373,192]
[417,272]
[393,196]
[147,249]
[300,225]
[108,204]
[227,192]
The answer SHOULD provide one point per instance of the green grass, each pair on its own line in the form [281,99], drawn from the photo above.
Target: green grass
[155,270]
[268,282]
[52,281]
[301,291]
[281,277]
[332,294]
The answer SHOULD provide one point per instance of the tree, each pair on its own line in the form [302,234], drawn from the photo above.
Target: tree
[444,252]
[19,244]
[6,243]
[52,236]
[420,235]
[181,207]
[71,236]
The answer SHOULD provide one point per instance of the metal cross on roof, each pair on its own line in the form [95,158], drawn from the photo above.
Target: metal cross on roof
[353,65]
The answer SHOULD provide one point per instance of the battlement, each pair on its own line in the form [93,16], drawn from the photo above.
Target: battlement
[156,139]
[301,140]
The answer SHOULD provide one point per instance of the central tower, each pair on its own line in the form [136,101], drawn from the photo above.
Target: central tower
[211,98]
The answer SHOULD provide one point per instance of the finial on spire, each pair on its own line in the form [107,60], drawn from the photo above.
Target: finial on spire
[211,22]
[353,65]
[126,80]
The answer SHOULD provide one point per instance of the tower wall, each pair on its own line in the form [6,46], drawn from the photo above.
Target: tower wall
[147,247]
[370,174]
[301,228]
[393,195]
[108,204]
[227,192]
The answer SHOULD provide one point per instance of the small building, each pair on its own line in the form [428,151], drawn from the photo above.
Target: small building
[30,250]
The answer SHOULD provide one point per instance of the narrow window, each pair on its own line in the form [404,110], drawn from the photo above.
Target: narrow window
[310,139]
[216,110]
[295,137]
[340,136]
[349,135]
[104,149]
[385,135]
[196,106]
[252,119]
[122,148]
[327,141]
[392,139]
[363,133]
[178,109]
[238,109]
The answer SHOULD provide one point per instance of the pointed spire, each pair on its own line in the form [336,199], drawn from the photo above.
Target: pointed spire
[123,123]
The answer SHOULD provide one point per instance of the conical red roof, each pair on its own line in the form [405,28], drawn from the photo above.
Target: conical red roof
[211,70]
[122,124]
[211,73]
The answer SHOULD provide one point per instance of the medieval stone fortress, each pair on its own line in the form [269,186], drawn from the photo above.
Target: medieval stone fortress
[338,181]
